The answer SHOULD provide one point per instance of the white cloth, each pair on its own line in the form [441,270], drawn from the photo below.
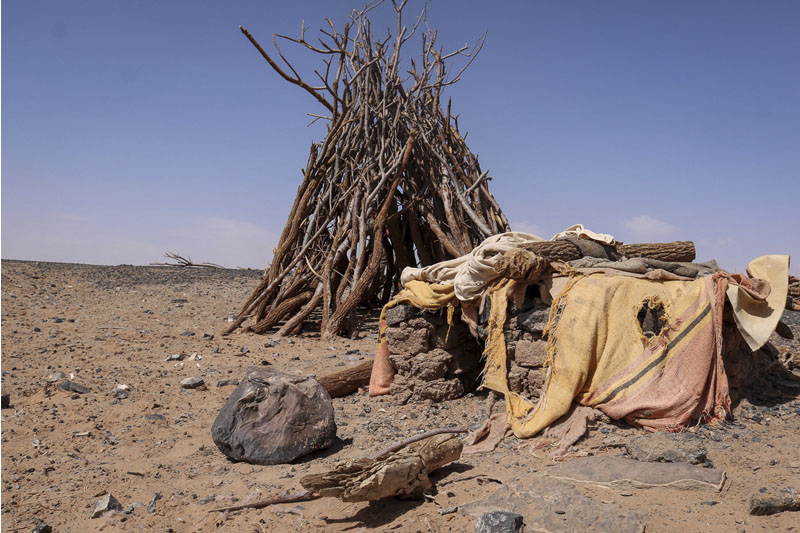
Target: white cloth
[584,233]
[470,273]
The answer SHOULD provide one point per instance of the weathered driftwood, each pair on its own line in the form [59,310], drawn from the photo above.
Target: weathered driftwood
[564,250]
[400,473]
[392,185]
[348,380]
[400,470]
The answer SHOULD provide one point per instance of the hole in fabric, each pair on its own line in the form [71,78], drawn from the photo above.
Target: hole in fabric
[651,319]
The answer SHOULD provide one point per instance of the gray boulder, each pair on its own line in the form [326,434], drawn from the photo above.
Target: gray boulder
[274,418]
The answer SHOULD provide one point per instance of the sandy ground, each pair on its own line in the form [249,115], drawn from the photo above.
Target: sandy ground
[61,451]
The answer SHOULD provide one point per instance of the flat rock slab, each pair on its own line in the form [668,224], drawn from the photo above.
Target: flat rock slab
[767,504]
[274,418]
[667,448]
[557,507]
[621,472]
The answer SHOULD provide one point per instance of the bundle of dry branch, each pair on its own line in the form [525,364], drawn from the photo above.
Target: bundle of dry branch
[392,185]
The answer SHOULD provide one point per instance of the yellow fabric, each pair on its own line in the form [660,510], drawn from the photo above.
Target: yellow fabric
[421,295]
[579,363]
[757,318]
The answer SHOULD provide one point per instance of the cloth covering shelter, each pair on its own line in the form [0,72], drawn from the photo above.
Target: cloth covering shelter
[597,352]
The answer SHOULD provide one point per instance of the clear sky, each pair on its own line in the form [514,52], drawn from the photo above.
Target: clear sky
[134,128]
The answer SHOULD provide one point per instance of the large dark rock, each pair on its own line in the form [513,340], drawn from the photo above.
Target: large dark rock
[273,418]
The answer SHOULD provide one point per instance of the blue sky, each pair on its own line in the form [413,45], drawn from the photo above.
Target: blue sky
[133,128]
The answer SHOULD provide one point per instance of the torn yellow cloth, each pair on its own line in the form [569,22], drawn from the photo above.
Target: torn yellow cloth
[598,355]
[421,295]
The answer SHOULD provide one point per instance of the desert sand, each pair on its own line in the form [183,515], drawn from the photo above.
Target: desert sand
[105,326]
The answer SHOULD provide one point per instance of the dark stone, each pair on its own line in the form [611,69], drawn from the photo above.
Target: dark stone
[71,386]
[401,313]
[120,394]
[274,418]
[41,527]
[6,401]
[104,504]
[151,507]
[155,416]
[535,320]
[227,382]
[667,448]
[498,522]
[174,357]
[187,334]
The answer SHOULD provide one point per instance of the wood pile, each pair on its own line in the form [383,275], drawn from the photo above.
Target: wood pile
[392,185]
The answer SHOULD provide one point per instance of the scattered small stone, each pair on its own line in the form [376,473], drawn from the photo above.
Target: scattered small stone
[55,377]
[208,336]
[151,507]
[6,401]
[36,330]
[179,301]
[244,349]
[71,386]
[104,504]
[187,334]
[447,510]
[498,522]
[41,527]
[227,382]
[57,320]
[207,499]
[264,362]
[121,394]
[192,383]
[155,416]
[174,357]
[215,349]
[710,503]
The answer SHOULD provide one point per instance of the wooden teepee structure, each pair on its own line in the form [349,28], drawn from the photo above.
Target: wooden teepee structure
[392,185]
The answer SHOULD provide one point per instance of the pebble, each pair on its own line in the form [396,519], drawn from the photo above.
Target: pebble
[448,510]
[106,503]
[215,349]
[192,383]
[6,401]
[174,357]
[227,382]
[56,377]
[41,527]
[187,334]
[151,507]
[155,416]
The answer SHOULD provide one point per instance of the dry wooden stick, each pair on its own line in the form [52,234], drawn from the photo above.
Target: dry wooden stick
[403,443]
[303,496]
